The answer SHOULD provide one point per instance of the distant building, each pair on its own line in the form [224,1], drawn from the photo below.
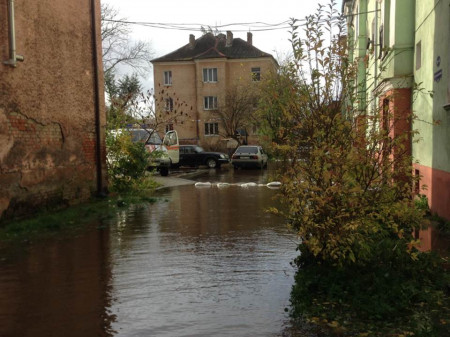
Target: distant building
[200,74]
[52,118]
[398,44]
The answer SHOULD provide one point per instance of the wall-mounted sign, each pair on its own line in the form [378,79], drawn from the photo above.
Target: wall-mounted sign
[438,61]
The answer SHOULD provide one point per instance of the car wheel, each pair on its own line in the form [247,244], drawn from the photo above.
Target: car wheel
[211,163]
[164,171]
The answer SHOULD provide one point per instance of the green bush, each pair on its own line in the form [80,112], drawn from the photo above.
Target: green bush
[127,162]
[390,296]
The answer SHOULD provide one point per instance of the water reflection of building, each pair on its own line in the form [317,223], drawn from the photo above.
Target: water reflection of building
[213,210]
[59,288]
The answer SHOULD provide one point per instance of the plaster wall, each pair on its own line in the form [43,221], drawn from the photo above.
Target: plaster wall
[433,124]
[432,151]
[181,93]
[47,107]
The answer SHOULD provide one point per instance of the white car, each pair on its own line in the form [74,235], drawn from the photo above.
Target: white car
[249,156]
[164,152]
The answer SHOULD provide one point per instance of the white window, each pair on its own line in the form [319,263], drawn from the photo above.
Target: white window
[168,78]
[211,129]
[168,106]
[256,74]
[169,127]
[209,75]
[210,103]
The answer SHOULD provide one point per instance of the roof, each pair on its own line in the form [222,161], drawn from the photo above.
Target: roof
[210,46]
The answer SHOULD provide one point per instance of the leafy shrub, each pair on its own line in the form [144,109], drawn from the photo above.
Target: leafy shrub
[127,161]
[389,296]
[347,192]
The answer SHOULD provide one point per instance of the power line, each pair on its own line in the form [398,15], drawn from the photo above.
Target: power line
[256,26]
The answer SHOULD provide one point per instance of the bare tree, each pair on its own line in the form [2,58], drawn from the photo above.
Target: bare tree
[117,45]
[237,114]
[160,114]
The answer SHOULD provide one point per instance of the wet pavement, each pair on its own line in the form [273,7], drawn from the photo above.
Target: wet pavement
[201,261]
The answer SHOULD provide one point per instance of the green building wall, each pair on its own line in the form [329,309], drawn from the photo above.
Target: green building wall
[411,56]
[432,151]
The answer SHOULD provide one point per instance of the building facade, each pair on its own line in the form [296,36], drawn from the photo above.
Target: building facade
[402,48]
[52,118]
[200,74]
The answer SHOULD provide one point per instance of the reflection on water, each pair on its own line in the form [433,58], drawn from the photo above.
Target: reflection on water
[57,288]
[199,262]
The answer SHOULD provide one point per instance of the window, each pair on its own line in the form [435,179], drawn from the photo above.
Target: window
[169,127]
[256,74]
[210,103]
[417,182]
[385,115]
[168,78]
[381,43]
[168,106]
[418,55]
[211,129]
[209,75]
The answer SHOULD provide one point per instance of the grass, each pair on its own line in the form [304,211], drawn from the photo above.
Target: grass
[47,223]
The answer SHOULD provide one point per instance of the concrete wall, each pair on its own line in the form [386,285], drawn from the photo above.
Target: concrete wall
[47,107]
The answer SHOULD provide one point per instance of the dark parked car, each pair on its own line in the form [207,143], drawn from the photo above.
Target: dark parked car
[193,155]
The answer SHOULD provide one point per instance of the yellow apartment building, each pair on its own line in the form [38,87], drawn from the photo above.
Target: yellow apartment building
[199,74]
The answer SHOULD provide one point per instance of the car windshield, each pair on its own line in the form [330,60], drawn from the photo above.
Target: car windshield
[247,149]
[142,135]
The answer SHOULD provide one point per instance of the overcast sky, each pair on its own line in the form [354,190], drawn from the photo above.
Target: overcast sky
[215,13]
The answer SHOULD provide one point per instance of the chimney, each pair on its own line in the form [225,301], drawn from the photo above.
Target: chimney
[192,40]
[249,38]
[229,39]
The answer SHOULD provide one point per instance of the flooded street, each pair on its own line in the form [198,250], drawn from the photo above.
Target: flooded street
[201,261]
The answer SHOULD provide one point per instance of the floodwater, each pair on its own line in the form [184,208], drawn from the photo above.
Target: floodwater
[198,262]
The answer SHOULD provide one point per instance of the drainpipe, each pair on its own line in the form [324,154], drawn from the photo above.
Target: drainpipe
[13,57]
[376,43]
[98,156]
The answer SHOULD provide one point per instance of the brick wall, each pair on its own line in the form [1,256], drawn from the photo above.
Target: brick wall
[47,108]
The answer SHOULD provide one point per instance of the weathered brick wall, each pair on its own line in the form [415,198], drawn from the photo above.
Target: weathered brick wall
[47,107]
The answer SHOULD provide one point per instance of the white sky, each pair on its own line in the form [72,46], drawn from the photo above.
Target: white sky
[212,13]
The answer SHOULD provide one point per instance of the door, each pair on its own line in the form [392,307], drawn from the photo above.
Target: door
[172,145]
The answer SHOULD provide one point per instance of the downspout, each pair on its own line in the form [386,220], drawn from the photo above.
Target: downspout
[13,57]
[98,157]
[375,57]
[197,116]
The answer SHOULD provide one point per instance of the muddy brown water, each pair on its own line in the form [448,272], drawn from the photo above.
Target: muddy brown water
[198,262]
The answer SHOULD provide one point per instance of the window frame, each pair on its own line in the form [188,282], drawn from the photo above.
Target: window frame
[211,129]
[256,74]
[210,75]
[168,77]
[210,103]
[168,104]
[169,127]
